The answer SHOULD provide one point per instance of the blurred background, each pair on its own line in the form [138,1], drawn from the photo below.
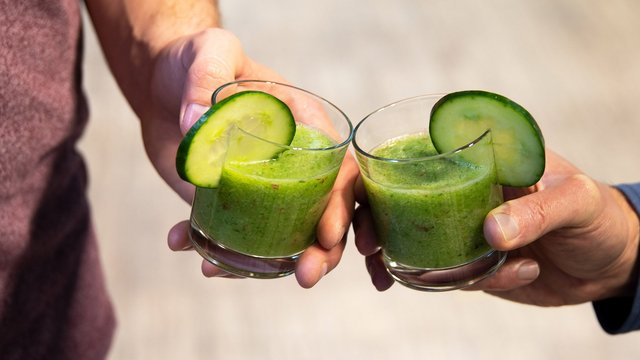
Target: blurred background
[575,64]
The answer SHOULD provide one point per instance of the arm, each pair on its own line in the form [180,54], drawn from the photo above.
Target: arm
[168,56]
[134,33]
[145,43]
[622,313]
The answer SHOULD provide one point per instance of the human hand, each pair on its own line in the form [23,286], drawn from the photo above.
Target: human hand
[187,71]
[571,239]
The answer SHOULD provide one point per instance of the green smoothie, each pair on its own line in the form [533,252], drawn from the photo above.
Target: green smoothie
[429,213]
[271,208]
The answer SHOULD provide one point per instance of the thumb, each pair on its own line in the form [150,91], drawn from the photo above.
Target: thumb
[573,201]
[192,113]
[212,58]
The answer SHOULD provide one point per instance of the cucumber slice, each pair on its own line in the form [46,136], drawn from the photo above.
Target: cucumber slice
[459,118]
[202,151]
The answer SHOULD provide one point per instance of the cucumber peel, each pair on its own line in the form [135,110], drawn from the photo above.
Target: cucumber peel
[204,149]
[461,117]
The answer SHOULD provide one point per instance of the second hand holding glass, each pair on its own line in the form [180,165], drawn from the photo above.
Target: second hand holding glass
[432,180]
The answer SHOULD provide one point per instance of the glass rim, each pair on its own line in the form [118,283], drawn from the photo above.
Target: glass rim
[296,148]
[340,145]
[360,150]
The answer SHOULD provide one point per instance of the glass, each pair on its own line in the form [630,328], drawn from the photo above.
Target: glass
[264,214]
[428,208]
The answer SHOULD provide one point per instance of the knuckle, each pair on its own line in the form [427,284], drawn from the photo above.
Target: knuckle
[216,51]
[538,214]
[210,68]
[588,192]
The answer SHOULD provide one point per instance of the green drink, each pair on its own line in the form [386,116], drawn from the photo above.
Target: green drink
[270,208]
[429,214]
[261,214]
[428,208]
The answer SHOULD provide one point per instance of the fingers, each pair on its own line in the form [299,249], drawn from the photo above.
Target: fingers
[513,274]
[367,241]
[359,191]
[380,278]
[210,270]
[336,218]
[572,201]
[178,240]
[178,237]
[316,262]
[367,245]
[365,236]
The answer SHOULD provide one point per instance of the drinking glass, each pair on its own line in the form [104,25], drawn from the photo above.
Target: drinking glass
[264,214]
[428,208]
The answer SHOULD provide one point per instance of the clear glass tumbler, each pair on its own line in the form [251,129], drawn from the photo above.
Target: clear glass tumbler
[264,214]
[428,208]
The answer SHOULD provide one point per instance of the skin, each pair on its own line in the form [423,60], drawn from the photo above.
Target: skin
[571,239]
[168,57]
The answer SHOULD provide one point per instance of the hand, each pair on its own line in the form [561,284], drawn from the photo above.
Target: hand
[187,71]
[570,239]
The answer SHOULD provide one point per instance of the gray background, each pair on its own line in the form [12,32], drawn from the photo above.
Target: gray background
[574,64]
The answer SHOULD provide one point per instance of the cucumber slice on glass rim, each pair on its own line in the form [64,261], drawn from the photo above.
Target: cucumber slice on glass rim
[203,149]
[461,117]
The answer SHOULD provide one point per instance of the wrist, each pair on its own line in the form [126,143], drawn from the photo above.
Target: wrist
[629,273]
[620,313]
[134,33]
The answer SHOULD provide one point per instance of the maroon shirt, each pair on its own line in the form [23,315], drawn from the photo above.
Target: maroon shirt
[53,302]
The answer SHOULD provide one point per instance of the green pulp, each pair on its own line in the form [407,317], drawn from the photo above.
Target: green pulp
[271,208]
[429,213]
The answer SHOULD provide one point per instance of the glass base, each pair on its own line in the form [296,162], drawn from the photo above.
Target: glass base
[241,264]
[445,279]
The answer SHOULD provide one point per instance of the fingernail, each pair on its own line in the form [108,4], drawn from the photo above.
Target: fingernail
[192,113]
[528,271]
[507,226]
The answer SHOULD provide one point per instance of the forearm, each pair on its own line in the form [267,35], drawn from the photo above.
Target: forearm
[133,32]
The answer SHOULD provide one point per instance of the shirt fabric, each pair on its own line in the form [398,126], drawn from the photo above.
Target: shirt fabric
[53,299]
[621,315]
